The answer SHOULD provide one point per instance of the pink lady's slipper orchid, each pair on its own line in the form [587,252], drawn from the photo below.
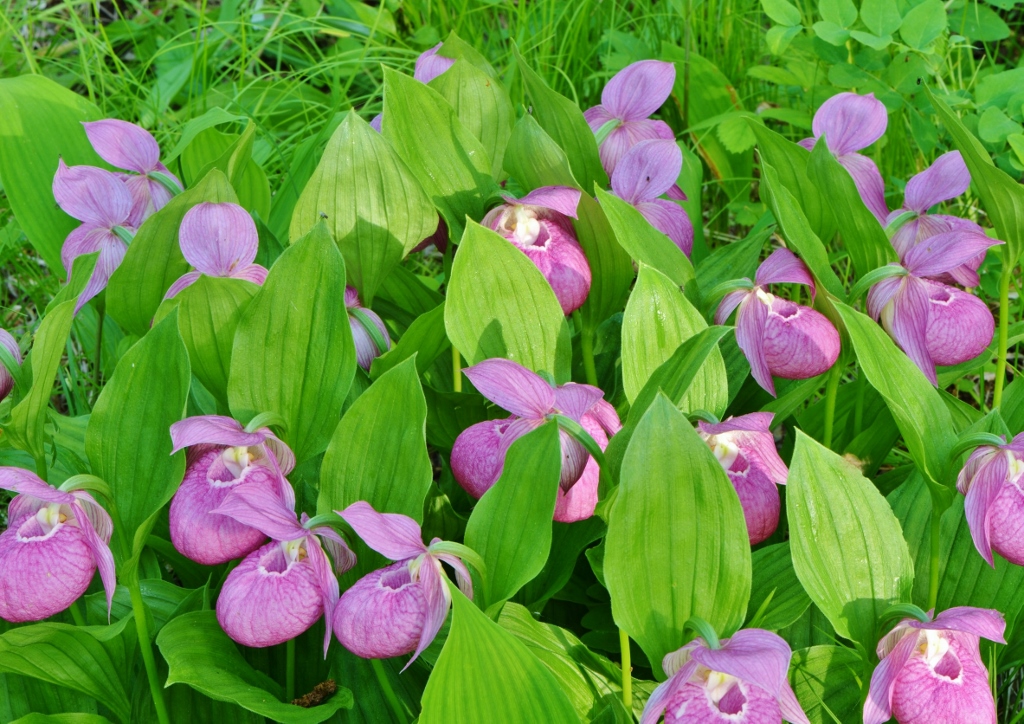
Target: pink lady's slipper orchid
[850,123]
[538,225]
[283,588]
[930,670]
[741,681]
[992,481]
[399,609]
[101,201]
[580,501]
[54,543]
[478,455]
[627,101]
[223,456]
[368,331]
[219,240]
[429,65]
[933,323]
[132,148]
[646,172]
[777,336]
[745,447]
[11,345]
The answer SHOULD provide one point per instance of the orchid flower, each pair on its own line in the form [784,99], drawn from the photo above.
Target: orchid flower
[219,240]
[991,482]
[278,591]
[627,102]
[777,336]
[478,455]
[933,323]
[223,456]
[538,225]
[930,670]
[54,542]
[429,65]
[945,179]
[646,172]
[745,447]
[132,148]
[101,201]
[6,380]
[850,123]
[399,609]
[579,503]
[740,681]
[368,331]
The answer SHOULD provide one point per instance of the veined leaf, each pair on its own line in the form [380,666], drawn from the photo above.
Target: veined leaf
[775,577]
[426,338]
[828,681]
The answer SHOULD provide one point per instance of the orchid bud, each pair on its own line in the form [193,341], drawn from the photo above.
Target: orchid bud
[132,148]
[368,331]
[54,543]
[222,457]
[931,671]
[11,345]
[741,681]
[627,102]
[538,225]
[994,504]
[745,447]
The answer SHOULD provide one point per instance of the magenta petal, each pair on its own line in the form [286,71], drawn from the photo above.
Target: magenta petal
[462,574]
[742,702]
[909,324]
[366,348]
[1006,524]
[327,581]
[605,416]
[575,400]
[729,302]
[394,536]
[259,506]
[617,143]
[574,460]
[92,195]
[647,171]
[881,294]
[429,64]
[375,122]
[112,251]
[671,220]
[218,239]
[253,273]
[639,89]
[758,422]
[784,267]
[25,482]
[756,656]
[212,429]
[344,558]
[789,706]
[750,328]
[850,122]
[11,345]
[960,326]
[124,144]
[597,116]
[181,283]
[99,547]
[675,193]
[666,692]
[798,342]
[868,180]
[438,600]
[580,501]
[478,456]
[984,622]
[562,262]
[946,251]
[563,199]
[878,706]
[945,179]
[512,387]
[382,614]
[984,489]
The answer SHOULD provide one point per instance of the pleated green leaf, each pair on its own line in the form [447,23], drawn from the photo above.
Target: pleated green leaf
[775,582]
[69,718]
[485,674]
[824,679]
[426,338]
[231,154]
[293,352]
[677,543]
[848,549]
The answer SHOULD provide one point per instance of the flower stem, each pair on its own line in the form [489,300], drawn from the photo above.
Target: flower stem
[587,347]
[1004,328]
[289,670]
[146,645]
[627,669]
[456,369]
[389,692]
[831,391]
[933,570]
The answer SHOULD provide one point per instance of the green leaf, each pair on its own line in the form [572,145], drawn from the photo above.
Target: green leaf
[677,544]
[922,417]
[982,24]
[378,452]
[923,24]
[28,418]
[231,154]
[500,305]
[426,338]
[659,318]
[480,666]
[564,122]
[779,37]
[734,260]
[1002,196]
[841,12]
[827,681]
[452,166]
[643,242]
[781,11]
[200,654]
[863,237]
[42,123]
[213,117]
[70,718]
[129,439]
[881,16]
[372,203]
[154,260]
[568,540]
[848,549]
[88,659]
[775,577]
[511,525]
[831,33]
[293,352]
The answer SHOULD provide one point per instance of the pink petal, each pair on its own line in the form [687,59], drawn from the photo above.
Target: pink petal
[960,326]
[676,194]
[580,501]
[647,171]
[784,267]
[253,273]
[217,239]
[665,692]
[100,552]
[327,581]
[259,506]
[798,341]
[752,422]
[985,488]
[574,460]
[375,122]
[617,143]
[975,462]
[575,400]
[563,199]
[597,116]
[25,482]
[881,294]
[984,622]
[478,456]
[429,64]
[605,416]
[807,143]
[850,122]
[729,302]
[394,536]
[945,179]
[562,262]
[671,220]
[381,616]
[512,387]
[750,326]
[946,251]
[438,600]
[92,195]
[366,348]
[639,89]
[878,706]
[516,429]
[112,251]
[753,655]
[790,707]
[759,498]
[344,559]
[1006,524]
[869,183]
[910,324]
[181,283]
[215,430]
[462,574]
[124,144]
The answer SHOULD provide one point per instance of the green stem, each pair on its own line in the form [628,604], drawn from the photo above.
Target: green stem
[831,390]
[389,692]
[627,671]
[933,570]
[456,369]
[587,347]
[146,645]
[99,351]
[1004,329]
[289,670]
[76,613]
